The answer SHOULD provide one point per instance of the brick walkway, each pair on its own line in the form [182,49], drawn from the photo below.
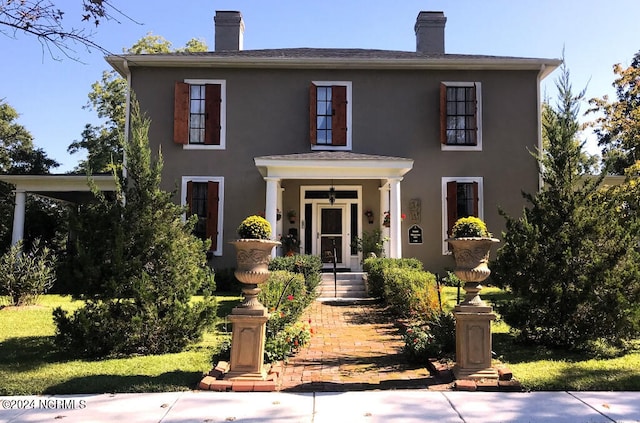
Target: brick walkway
[354,347]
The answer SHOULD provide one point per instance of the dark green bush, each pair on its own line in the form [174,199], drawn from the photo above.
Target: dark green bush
[374,267]
[122,327]
[309,266]
[410,293]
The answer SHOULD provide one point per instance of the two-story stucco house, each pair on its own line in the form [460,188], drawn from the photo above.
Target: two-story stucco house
[349,140]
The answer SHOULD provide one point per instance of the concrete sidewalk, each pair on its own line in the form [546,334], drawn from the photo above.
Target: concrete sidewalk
[404,406]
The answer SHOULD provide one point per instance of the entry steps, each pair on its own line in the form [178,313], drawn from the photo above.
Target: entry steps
[347,286]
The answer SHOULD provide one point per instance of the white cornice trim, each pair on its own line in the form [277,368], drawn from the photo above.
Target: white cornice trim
[336,169]
[58,183]
[437,63]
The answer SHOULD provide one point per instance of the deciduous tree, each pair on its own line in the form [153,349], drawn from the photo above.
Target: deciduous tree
[108,98]
[45,220]
[617,122]
[47,21]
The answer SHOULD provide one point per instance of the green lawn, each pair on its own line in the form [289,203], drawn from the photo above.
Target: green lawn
[539,368]
[29,363]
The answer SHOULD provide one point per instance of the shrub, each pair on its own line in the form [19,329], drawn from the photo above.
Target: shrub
[24,276]
[374,267]
[309,266]
[469,227]
[433,338]
[371,242]
[122,328]
[451,280]
[410,292]
[254,227]
[288,341]
[419,344]
[285,296]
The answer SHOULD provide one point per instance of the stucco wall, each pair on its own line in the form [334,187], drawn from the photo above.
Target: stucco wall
[394,113]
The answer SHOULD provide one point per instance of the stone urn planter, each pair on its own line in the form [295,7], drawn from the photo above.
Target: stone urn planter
[252,256]
[471,255]
[253,252]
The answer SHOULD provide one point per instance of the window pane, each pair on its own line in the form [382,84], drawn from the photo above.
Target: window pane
[321,93]
[196,106]
[322,136]
[322,122]
[465,199]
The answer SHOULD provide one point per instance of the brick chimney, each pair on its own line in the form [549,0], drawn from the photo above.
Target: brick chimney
[229,31]
[430,32]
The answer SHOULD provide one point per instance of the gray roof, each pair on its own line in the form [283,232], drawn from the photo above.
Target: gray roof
[333,58]
[334,53]
[331,155]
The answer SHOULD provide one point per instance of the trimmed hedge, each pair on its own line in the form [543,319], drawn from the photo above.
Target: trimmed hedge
[309,266]
[375,267]
[410,292]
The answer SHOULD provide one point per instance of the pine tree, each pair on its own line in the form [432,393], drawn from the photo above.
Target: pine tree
[139,266]
[571,258]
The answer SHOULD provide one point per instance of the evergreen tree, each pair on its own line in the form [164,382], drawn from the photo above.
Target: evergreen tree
[138,265]
[571,259]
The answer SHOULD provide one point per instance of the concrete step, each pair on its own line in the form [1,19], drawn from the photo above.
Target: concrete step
[345,286]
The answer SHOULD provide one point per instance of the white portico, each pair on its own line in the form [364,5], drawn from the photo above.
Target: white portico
[336,167]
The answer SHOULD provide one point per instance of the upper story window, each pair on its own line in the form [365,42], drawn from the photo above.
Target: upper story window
[461,197]
[460,116]
[330,115]
[200,114]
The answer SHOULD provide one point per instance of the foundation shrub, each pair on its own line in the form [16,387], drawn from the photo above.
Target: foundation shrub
[309,266]
[285,296]
[410,292]
[433,338]
[375,267]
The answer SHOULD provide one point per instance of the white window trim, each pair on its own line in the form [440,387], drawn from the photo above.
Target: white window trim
[347,147]
[478,146]
[183,202]
[223,115]
[461,179]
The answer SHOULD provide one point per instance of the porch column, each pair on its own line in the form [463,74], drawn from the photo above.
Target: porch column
[395,243]
[384,206]
[18,216]
[271,205]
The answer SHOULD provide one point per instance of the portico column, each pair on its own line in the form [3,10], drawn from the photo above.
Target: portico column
[18,216]
[271,204]
[395,243]
[384,206]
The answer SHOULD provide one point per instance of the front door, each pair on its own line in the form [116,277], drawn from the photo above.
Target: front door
[331,235]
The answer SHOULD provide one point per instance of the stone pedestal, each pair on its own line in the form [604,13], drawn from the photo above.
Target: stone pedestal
[247,347]
[473,343]
[473,315]
[249,319]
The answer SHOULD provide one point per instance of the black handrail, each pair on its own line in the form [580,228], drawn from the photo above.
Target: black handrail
[335,273]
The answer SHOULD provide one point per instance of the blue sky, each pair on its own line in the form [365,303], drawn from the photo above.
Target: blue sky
[49,94]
